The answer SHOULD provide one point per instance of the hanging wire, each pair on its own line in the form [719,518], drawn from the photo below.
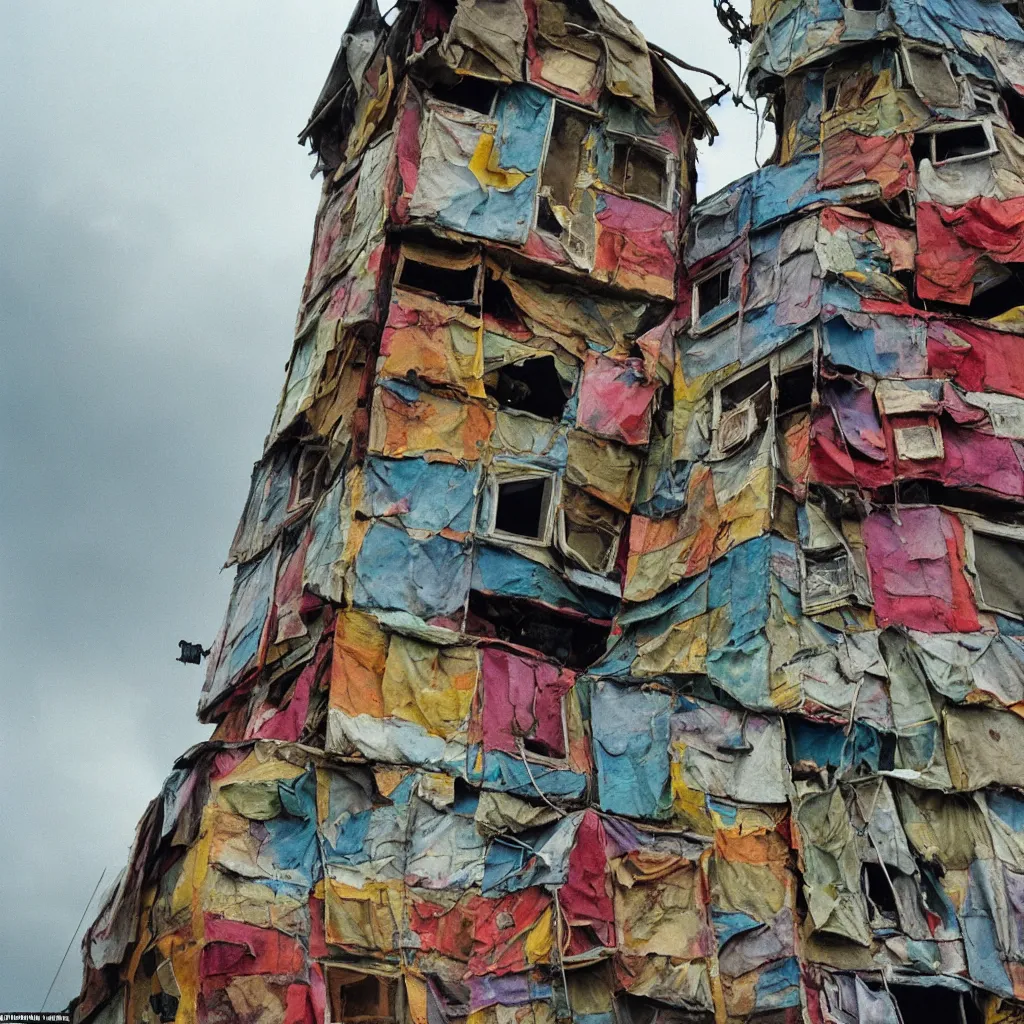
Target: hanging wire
[733,22]
[71,942]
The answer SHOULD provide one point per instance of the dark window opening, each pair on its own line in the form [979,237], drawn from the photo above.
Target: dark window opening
[831,95]
[459,287]
[881,898]
[165,1006]
[794,390]
[574,641]
[522,507]
[985,100]
[639,171]
[569,130]
[356,998]
[1014,110]
[546,219]
[928,492]
[531,386]
[310,476]
[866,5]
[713,291]
[745,387]
[999,570]
[1002,292]
[499,302]
[958,143]
[927,1004]
[469,92]
[533,745]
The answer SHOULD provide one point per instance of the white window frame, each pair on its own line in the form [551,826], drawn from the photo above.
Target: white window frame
[775,371]
[552,499]
[696,327]
[668,182]
[989,95]
[975,524]
[907,67]
[986,125]
[900,439]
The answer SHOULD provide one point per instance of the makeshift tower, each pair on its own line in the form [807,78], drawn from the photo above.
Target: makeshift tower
[629,615]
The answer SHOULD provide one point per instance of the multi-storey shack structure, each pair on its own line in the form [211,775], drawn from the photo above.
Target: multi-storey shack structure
[629,615]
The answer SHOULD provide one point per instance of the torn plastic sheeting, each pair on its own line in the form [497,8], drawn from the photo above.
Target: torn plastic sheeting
[917,571]
[635,247]
[487,36]
[885,346]
[499,948]
[267,507]
[502,572]
[615,399]
[439,343]
[478,175]
[952,241]
[430,496]
[428,578]
[445,850]
[850,160]
[237,949]
[603,468]
[430,686]
[984,747]
[241,643]
[729,753]
[323,572]
[522,701]
[408,422]
[975,357]
[971,667]
[631,729]
[531,858]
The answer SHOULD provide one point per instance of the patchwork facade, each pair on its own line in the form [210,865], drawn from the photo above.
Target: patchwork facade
[629,615]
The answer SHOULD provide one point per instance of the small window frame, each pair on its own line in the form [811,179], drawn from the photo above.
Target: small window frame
[313,462]
[984,123]
[776,370]
[659,152]
[973,525]
[550,505]
[436,258]
[842,596]
[988,95]
[569,552]
[906,67]
[392,982]
[540,196]
[697,326]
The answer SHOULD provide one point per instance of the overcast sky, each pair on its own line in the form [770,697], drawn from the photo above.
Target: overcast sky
[155,217]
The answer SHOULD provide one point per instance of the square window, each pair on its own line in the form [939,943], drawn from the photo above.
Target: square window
[453,277]
[358,998]
[967,141]
[714,301]
[996,560]
[522,508]
[741,406]
[641,171]
[468,92]
[826,579]
[310,475]
[918,444]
